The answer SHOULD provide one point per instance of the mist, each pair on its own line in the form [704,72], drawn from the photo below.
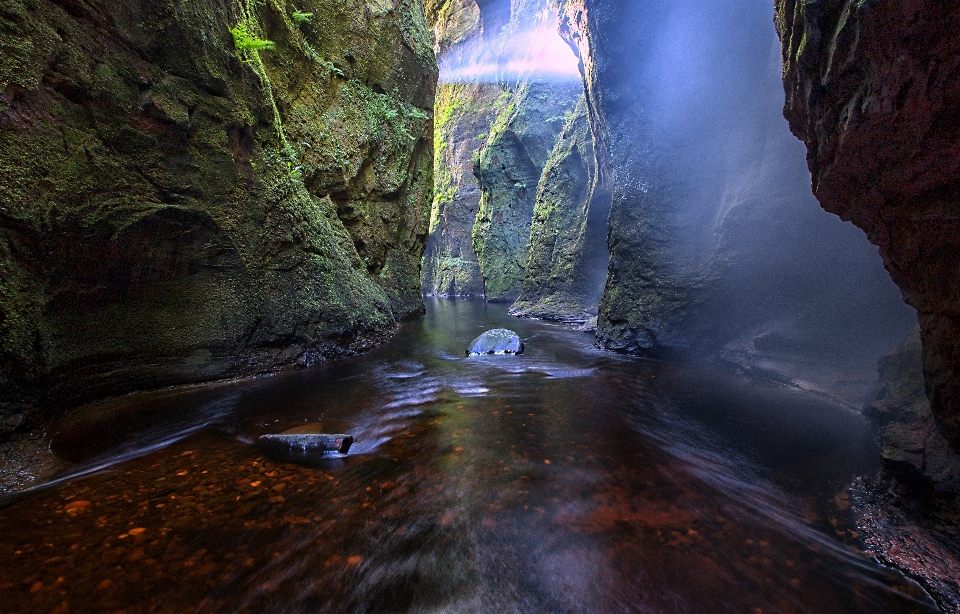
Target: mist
[527,49]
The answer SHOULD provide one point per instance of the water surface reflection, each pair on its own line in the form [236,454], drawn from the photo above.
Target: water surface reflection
[563,480]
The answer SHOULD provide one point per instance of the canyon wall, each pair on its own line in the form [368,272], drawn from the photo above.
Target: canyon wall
[873,91]
[464,112]
[565,269]
[508,167]
[717,247]
[497,121]
[199,189]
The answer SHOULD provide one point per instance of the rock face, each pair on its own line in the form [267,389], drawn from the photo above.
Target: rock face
[179,202]
[566,266]
[873,90]
[912,447]
[716,245]
[496,341]
[464,112]
[454,23]
[908,515]
[494,133]
[926,549]
[508,168]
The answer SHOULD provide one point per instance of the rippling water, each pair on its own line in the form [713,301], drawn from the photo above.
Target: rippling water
[563,480]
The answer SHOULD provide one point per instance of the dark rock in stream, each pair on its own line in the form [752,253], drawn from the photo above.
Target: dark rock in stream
[303,447]
[496,341]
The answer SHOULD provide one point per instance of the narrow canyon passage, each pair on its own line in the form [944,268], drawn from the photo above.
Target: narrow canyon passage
[712,224]
[566,479]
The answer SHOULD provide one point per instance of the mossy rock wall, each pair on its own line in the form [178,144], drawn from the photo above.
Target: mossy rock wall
[464,113]
[567,262]
[173,210]
[508,168]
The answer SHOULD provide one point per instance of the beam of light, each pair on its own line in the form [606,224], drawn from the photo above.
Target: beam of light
[533,54]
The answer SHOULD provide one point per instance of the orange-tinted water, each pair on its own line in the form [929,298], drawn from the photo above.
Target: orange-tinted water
[563,480]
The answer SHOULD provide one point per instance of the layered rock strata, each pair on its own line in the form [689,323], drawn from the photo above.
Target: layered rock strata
[196,190]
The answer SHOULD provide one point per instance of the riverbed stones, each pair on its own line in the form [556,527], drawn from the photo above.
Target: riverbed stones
[496,341]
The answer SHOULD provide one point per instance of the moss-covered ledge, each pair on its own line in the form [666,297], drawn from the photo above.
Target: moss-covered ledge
[176,206]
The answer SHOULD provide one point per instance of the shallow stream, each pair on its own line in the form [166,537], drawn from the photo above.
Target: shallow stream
[563,480]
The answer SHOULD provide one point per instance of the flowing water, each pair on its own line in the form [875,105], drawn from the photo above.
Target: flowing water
[563,480]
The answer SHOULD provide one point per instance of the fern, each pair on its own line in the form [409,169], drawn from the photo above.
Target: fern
[302,17]
[244,41]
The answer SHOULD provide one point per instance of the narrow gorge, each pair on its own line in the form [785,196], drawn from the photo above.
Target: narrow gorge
[724,233]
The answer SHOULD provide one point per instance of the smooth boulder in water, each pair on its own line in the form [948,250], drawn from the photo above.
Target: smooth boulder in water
[496,341]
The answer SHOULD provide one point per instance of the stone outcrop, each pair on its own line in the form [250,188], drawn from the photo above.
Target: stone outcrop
[464,112]
[907,514]
[494,133]
[181,200]
[716,246]
[567,262]
[912,448]
[508,168]
[873,90]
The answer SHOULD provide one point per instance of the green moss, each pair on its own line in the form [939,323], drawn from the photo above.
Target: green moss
[462,111]
[244,42]
[563,274]
[507,167]
[166,200]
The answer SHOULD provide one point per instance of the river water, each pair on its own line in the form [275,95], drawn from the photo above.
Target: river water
[563,480]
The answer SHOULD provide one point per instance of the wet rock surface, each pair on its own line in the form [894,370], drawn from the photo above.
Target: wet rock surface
[497,341]
[908,515]
[494,137]
[567,262]
[304,446]
[174,209]
[26,460]
[716,245]
[872,89]
[898,532]
[464,112]
[508,168]
[912,448]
